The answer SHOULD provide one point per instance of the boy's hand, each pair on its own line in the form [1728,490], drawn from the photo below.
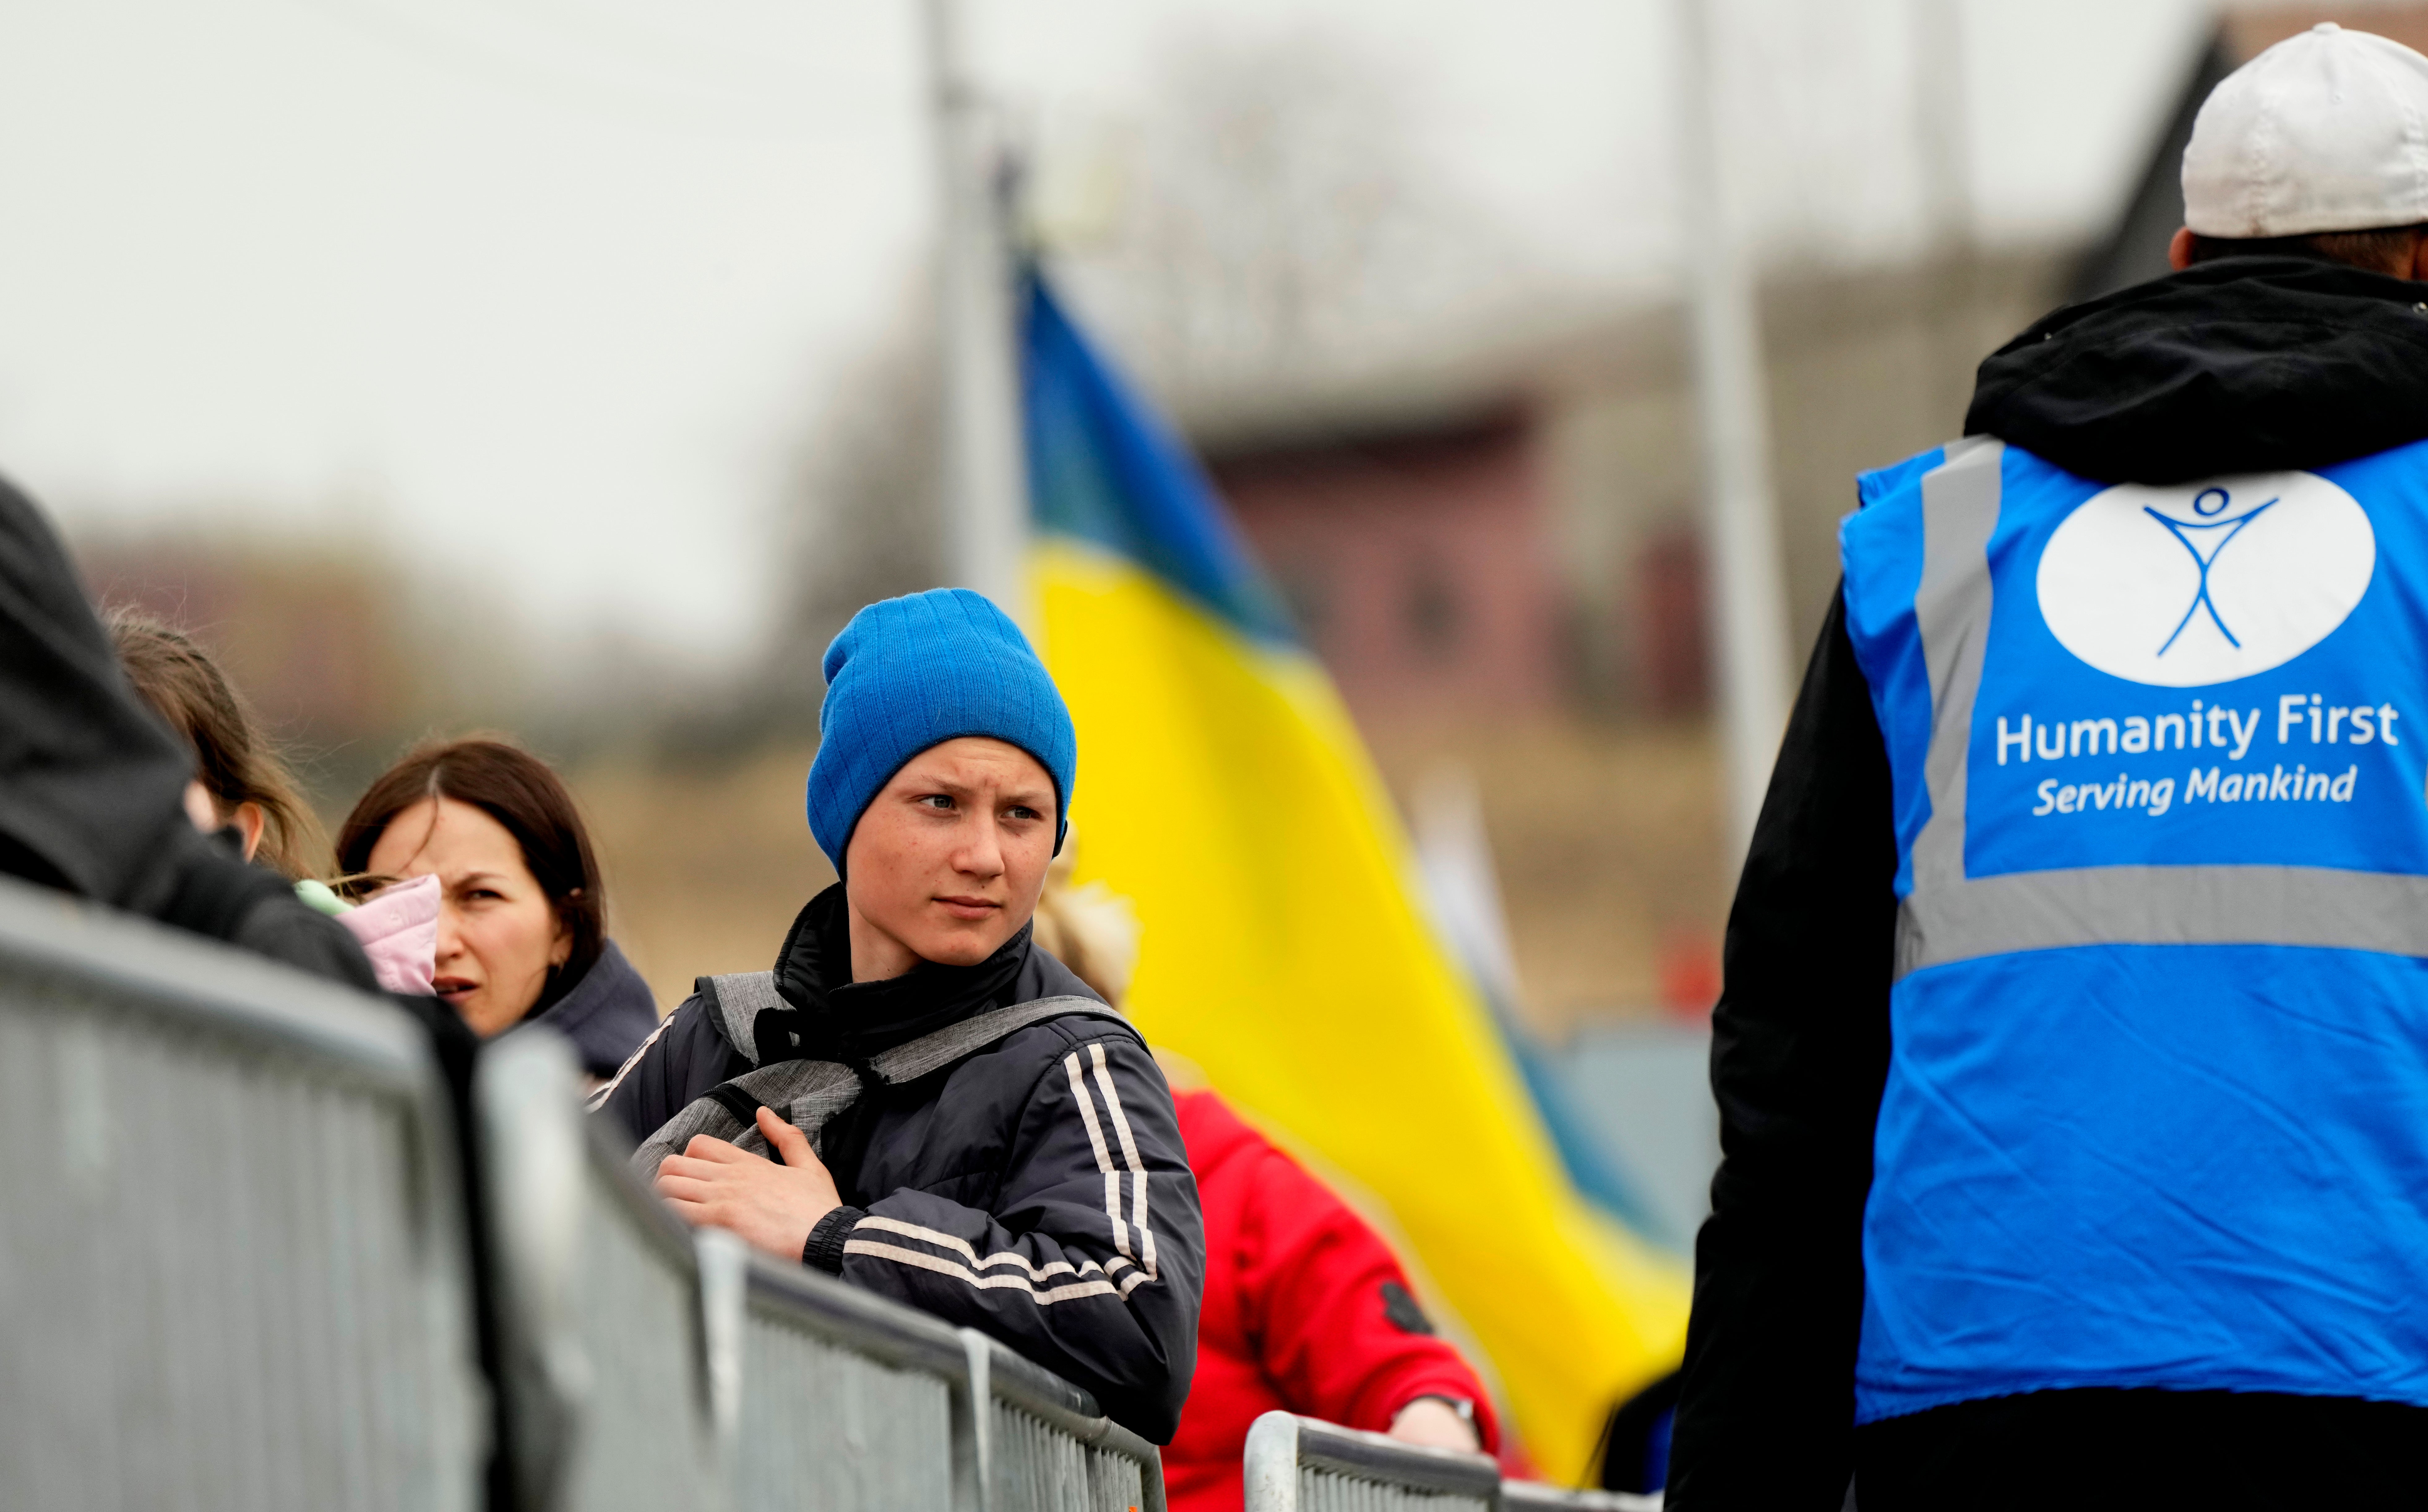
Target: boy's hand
[772,1206]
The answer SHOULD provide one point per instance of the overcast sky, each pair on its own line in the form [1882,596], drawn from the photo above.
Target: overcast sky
[544,294]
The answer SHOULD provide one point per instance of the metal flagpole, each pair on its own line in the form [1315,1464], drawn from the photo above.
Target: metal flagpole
[1748,609]
[1942,141]
[986,490]
[1941,128]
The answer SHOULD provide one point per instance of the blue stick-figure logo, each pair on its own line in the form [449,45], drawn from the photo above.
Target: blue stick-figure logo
[2112,588]
[2207,524]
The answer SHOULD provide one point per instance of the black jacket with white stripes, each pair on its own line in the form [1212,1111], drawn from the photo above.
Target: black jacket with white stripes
[1036,1189]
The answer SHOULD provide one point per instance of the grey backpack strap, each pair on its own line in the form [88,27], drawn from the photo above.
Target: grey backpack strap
[737,1000]
[805,1094]
[933,1052]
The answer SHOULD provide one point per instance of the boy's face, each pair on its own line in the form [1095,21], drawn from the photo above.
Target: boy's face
[948,860]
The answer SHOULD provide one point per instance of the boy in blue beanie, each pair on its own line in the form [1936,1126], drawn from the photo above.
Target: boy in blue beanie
[917,1098]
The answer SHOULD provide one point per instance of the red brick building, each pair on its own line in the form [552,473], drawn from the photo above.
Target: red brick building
[1416,563]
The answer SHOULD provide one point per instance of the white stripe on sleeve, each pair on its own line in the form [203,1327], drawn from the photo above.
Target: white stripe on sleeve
[994,1281]
[1130,1153]
[1104,1158]
[599,1099]
[961,1246]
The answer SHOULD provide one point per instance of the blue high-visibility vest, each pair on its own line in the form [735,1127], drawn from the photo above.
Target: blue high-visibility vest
[2156,1110]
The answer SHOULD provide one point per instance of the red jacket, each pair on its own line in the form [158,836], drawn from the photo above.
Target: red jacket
[1297,1315]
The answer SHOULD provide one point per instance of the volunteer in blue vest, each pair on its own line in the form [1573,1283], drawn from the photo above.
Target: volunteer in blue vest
[2073,1061]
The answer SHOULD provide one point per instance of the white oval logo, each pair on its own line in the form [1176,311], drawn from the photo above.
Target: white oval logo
[2204,582]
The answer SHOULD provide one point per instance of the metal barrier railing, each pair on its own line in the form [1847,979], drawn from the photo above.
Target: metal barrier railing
[1533,1496]
[233,1272]
[1298,1464]
[1048,1447]
[233,1276]
[602,1356]
[741,1382]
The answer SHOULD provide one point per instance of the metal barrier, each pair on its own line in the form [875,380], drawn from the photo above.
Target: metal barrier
[602,1358]
[232,1269]
[1298,1464]
[1533,1496]
[648,1366]
[1046,1446]
[234,1275]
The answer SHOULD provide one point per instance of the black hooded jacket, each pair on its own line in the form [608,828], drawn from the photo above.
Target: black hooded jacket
[1036,1188]
[93,786]
[2240,365]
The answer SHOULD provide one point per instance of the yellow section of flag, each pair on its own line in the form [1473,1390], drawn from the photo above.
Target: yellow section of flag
[1223,790]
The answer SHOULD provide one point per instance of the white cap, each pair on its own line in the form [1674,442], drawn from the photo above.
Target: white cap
[2325,131]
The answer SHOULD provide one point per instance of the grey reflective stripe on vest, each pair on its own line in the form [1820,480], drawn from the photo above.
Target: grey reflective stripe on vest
[808,1093]
[2165,905]
[1949,916]
[1960,510]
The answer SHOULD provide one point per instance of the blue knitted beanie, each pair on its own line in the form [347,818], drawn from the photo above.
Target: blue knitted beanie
[914,672]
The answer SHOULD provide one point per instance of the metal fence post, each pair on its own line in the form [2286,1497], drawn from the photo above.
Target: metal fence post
[1295,1464]
[724,1284]
[535,1195]
[978,1385]
[607,1365]
[1271,1464]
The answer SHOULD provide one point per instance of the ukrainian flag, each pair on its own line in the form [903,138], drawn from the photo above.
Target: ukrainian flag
[1285,950]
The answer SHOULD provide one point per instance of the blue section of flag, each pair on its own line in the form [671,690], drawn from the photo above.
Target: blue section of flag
[1105,469]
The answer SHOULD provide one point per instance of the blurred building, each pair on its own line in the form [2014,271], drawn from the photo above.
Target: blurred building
[2136,250]
[312,636]
[1514,528]
[1413,558]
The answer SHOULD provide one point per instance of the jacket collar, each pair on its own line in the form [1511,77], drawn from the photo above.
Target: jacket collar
[848,1021]
[605,1013]
[611,982]
[2241,364]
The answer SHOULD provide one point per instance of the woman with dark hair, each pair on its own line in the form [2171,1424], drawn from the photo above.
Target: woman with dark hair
[522,929]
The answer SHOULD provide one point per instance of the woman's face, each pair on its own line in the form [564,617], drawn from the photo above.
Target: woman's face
[498,932]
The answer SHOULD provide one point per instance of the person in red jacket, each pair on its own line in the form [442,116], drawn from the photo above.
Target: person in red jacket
[1306,1312]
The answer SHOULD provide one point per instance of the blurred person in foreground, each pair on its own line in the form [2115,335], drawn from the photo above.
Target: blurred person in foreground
[516,896]
[1306,1309]
[956,1121]
[99,799]
[2073,1061]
